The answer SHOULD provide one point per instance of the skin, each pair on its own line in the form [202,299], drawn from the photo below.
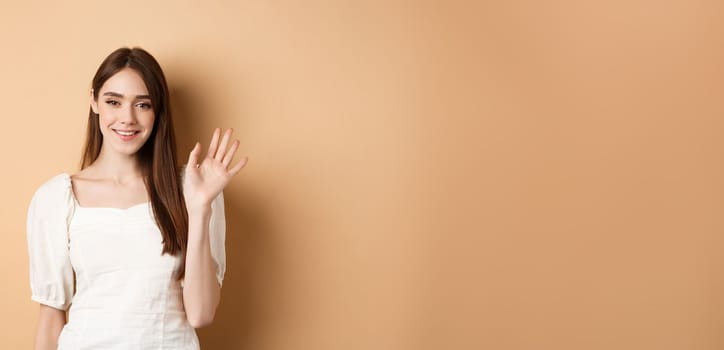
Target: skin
[114,180]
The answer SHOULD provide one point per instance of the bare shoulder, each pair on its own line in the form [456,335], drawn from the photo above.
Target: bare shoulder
[83,179]
[83,183]
[92,189]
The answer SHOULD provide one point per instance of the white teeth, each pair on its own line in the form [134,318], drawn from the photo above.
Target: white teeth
[125,133]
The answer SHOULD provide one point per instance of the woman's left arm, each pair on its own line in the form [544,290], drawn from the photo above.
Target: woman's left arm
[204,181]
[201,292]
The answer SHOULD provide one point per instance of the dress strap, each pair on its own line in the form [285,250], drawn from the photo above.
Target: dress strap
[70,202]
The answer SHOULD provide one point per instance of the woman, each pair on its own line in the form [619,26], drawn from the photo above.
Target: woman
[132,243]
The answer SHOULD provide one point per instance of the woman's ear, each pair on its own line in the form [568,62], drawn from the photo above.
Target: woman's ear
[93,102]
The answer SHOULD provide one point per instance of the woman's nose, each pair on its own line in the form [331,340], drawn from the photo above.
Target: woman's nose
[127,116]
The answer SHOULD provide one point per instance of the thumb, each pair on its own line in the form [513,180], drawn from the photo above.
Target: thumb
[194,155]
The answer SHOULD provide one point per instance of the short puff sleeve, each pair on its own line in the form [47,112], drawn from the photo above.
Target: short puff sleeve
[217,236]
[51,272]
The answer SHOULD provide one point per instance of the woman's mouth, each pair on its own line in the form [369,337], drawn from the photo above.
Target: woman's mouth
[126,135]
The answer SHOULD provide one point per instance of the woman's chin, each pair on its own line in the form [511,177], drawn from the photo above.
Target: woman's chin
[125,150]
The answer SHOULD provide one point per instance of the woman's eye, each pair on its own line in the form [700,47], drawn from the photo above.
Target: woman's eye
[113,102]
[144,105]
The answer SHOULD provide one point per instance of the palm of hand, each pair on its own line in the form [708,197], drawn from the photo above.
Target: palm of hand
[205,179]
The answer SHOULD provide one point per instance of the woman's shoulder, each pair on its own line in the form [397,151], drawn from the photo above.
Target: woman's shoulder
[56,186]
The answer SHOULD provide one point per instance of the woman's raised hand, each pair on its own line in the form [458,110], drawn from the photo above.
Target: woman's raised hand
[204,179]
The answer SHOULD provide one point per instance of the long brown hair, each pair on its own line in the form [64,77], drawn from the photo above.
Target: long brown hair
[157,157]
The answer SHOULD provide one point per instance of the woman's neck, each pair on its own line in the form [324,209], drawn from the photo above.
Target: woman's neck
[117,167]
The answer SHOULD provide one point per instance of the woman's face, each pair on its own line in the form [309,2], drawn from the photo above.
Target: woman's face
[125,112]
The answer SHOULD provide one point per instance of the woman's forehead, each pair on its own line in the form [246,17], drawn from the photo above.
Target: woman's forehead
[126,83]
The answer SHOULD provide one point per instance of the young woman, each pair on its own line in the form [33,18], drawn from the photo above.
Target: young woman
[131,247]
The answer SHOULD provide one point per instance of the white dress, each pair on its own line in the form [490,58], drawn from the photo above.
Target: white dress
[125,294]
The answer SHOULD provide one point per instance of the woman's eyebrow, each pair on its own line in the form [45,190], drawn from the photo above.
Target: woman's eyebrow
[115,94]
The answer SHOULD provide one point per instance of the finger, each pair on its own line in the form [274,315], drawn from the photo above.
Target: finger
[230,155]
[233,171]
[224,142]
[194,155]
[214,143]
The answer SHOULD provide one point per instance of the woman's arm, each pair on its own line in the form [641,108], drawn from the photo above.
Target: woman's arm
[201,292]
[50,323]
[204,180]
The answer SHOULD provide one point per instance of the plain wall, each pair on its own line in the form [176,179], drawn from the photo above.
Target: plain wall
[422,175]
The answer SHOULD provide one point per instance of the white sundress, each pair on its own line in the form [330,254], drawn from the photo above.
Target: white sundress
[125,294]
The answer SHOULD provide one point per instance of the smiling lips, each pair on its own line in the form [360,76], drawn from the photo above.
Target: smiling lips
[126,134]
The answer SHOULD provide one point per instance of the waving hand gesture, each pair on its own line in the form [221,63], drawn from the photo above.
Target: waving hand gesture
[205,178]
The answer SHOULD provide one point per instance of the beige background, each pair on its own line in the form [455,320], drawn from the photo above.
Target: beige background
[422,175]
